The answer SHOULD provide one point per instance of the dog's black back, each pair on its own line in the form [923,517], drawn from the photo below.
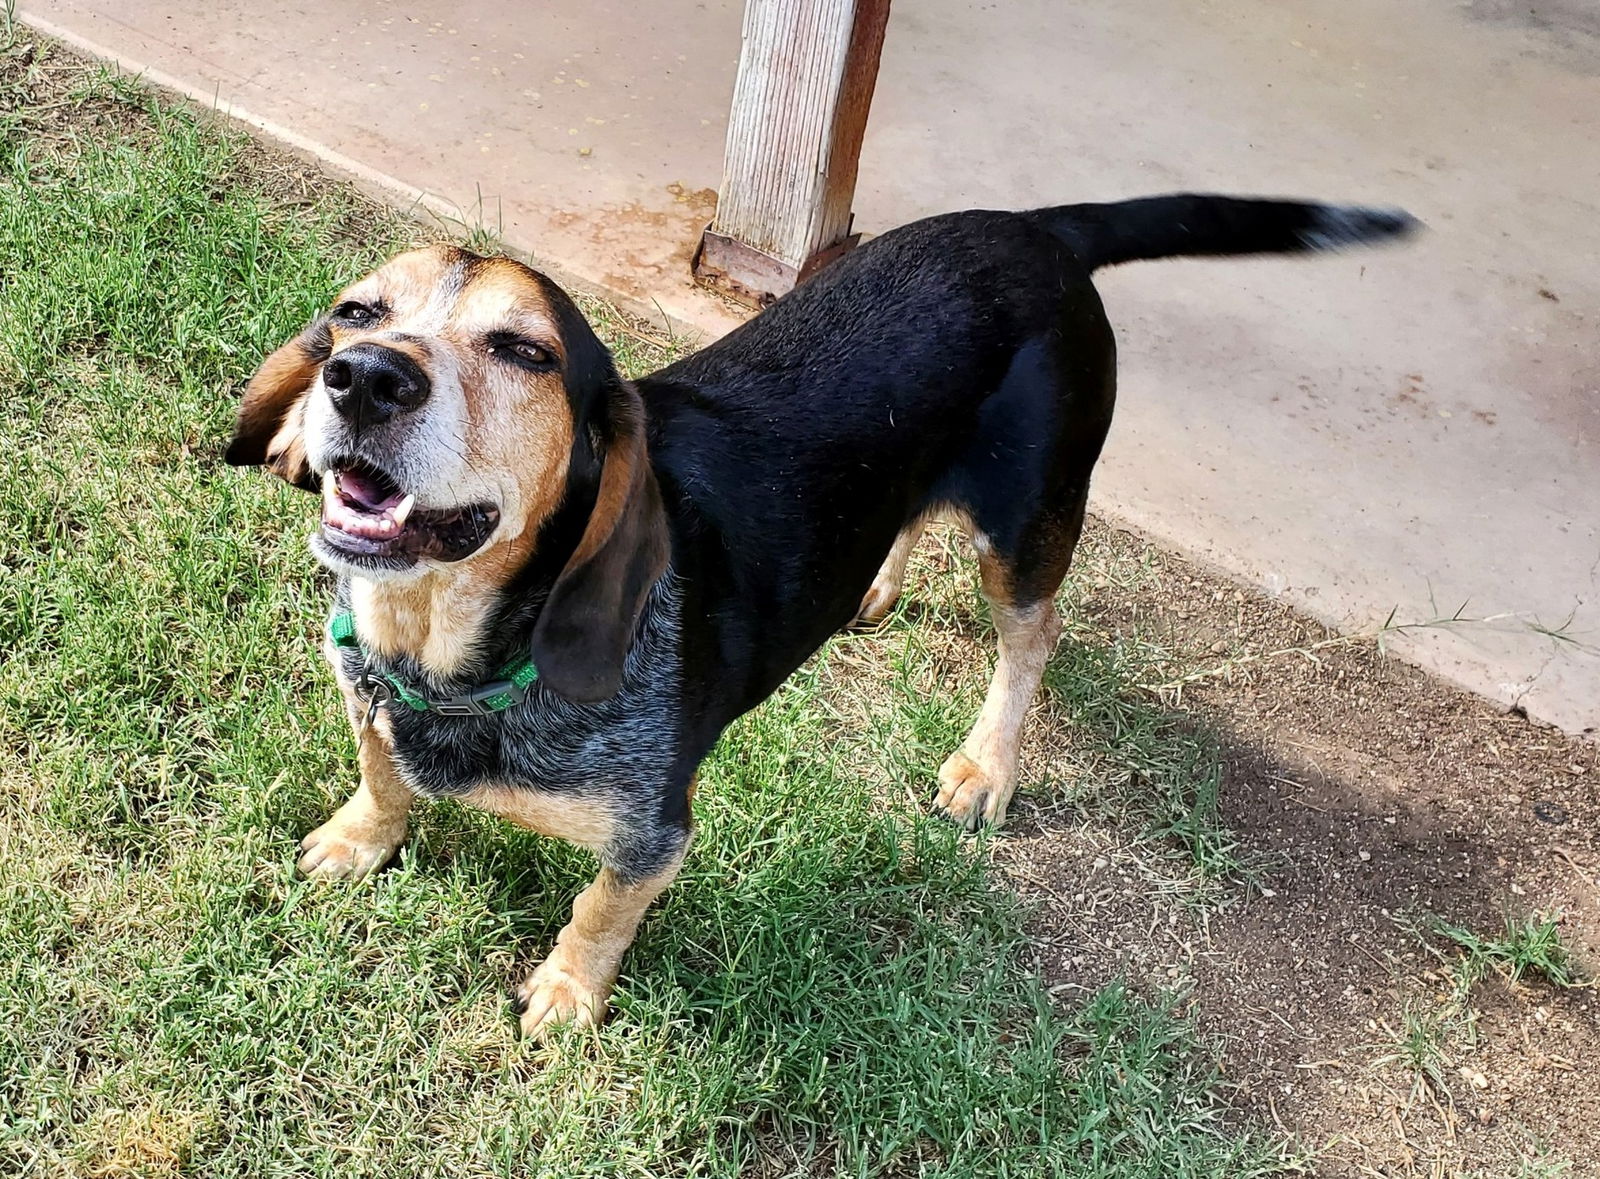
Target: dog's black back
[798,446]
[964,363]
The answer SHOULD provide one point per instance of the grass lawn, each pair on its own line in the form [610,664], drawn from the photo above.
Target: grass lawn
[837,984]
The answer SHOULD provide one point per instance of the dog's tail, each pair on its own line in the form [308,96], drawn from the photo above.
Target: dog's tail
[1189,224]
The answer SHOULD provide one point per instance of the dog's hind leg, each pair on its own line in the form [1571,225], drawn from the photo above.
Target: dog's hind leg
[977,781]
[885,591]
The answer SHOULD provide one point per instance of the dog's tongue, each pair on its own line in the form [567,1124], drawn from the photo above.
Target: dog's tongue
[365,492]
[360,506]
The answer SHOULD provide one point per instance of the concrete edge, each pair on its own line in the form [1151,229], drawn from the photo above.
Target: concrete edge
[1418,644]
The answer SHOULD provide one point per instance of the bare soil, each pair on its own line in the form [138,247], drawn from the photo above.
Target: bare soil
[1378,799]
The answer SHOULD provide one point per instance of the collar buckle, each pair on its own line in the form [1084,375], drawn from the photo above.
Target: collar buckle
[484,700]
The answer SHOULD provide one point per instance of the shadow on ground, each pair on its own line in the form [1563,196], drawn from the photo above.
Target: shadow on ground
[1366,801]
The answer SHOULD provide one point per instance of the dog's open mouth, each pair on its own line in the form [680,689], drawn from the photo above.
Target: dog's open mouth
[366,516]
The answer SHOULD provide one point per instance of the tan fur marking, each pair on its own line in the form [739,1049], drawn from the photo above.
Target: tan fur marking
[976,783]
[286,452]
[886,586]
[273,407]
[414,350]
[617,479]
[413,276]
[437,619]
[585,822]
[993,577]
[504,287]
[363,833]
[574,984]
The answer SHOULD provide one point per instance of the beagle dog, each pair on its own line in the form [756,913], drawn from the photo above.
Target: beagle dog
[556,587]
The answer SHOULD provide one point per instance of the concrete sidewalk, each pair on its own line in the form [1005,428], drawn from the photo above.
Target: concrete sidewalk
[1409,430]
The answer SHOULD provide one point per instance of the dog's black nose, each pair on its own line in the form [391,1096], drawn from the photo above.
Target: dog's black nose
[369,383]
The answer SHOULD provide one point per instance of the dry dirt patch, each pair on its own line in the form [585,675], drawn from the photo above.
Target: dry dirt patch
[1375,800]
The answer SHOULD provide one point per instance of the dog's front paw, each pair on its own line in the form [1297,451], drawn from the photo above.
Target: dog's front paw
[349,846]
[970,795]
[561,991]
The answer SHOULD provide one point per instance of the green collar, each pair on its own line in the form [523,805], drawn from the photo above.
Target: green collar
[380,687]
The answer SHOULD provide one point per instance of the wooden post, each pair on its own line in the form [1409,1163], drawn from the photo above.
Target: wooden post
[800,101]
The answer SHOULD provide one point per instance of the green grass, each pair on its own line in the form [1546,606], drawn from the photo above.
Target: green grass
[1419,1048]
[1543,1167]
[1144,754]
[836,985]
[1529,947]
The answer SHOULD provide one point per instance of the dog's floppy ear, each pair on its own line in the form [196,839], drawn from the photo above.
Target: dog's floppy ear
[271,424]
[584,632]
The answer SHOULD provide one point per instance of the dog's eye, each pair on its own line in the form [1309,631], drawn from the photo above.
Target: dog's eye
[522,352]
[355,314]
[532,353]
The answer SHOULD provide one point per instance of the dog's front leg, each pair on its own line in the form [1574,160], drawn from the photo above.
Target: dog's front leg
[363,834]
[573,984]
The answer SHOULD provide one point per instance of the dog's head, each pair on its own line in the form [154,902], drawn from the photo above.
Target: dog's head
[447,407]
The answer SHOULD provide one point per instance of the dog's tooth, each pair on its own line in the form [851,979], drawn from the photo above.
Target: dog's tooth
[402,510]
